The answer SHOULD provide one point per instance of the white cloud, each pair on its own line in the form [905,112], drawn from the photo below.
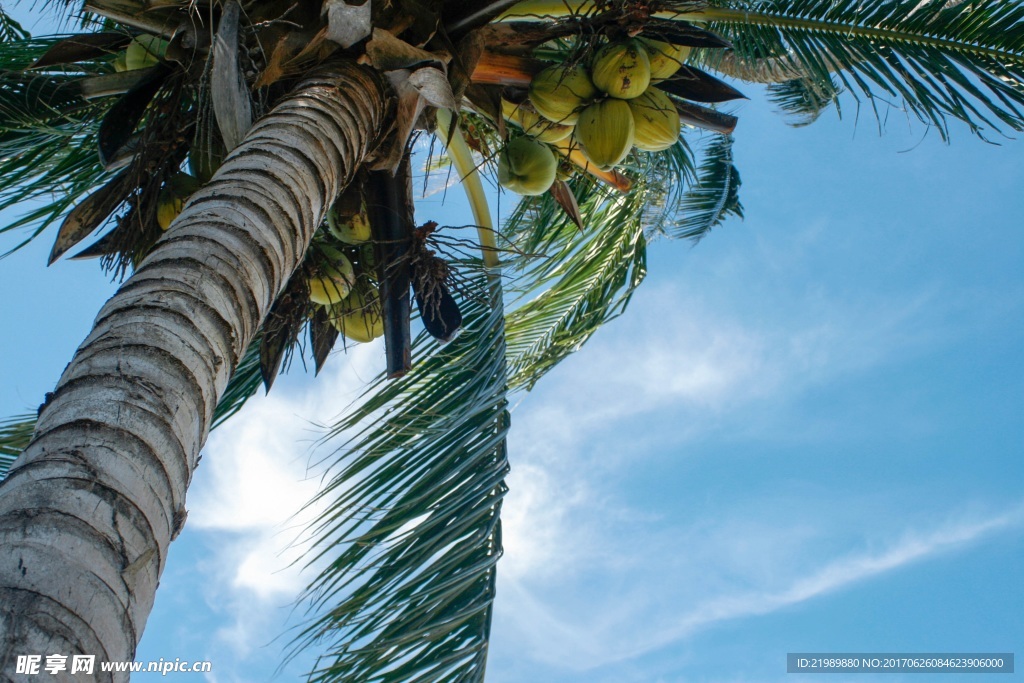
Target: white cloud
[710,357]
[537,537]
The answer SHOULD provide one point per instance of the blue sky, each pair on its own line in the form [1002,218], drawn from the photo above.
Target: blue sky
[805,435]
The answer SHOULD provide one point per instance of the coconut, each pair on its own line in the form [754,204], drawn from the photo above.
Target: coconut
[172,198]
[360,316]
[559,92]
[335,281]
[605,131]
[665,58]
[144,51]
[527,166]
[534,124]
[349,229]
[656,121]
[622,69]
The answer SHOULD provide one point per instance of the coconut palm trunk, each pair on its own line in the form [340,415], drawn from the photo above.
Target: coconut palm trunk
[89,510]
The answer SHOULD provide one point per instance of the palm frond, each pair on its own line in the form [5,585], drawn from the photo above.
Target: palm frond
[584,279]
[803,100]
[15,433]
[47,138]
[666,177]
[711,198]
[571,282]
[10,29]
[410,535]
[935,60]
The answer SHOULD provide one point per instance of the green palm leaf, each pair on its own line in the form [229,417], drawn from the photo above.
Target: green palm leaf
[15,433]
[713,195]
[244,384]
[803,100]
[47,136]
[579,282]
[409,539]
[10,29]
[933,59]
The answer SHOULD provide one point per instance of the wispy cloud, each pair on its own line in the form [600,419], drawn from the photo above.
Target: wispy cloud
[588,578]
[629,614]
[914,546]
[711,358]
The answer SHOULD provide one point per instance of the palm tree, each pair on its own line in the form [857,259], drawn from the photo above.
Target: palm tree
[407,546]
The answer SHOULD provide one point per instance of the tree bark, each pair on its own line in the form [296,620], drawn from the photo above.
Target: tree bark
[88,511]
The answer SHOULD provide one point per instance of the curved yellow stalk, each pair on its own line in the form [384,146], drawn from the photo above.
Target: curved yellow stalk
[465,166]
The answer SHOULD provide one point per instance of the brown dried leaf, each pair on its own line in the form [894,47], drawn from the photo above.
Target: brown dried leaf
[90,214]
[82,47]
[322,337]
[275,64]
[231,104]
[691,83]
[388,53]
[282,325]
[432,85]
[120,120]
[562,193]
[705,117]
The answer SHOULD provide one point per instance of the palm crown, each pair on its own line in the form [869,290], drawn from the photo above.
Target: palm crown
[407,546]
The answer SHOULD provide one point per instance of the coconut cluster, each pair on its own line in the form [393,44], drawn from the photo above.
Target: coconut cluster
[352,301]
[604,108]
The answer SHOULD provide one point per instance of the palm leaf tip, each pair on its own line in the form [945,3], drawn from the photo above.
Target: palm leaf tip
[15,434]
[586,280]
[803,100]
[712,197]
[11,29]
[937,60]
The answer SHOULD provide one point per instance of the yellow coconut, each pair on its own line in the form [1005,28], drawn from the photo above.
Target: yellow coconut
[168,208]
[656,121]
[665,58]
[350,229]
[622,69]
[605,131]
[144,51]
[559,92]
[527,166]
[172,198]
[534,124]
[335,281]
[360,316]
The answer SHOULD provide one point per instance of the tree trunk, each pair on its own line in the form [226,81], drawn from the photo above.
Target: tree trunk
[89,510]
